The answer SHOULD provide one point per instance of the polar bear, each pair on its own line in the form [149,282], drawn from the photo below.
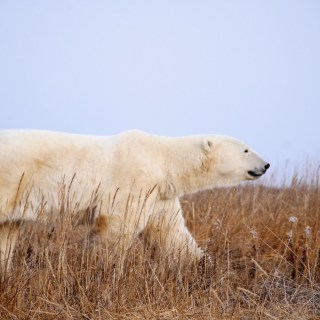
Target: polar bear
[131,181]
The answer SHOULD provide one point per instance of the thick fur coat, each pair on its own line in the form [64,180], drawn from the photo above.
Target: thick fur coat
[132,182]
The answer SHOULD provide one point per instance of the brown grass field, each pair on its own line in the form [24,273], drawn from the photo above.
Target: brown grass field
[264,265]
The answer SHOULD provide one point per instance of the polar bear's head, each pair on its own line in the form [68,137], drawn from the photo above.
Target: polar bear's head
[231,161]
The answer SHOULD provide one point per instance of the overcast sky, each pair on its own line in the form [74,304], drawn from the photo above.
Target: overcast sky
[249,69]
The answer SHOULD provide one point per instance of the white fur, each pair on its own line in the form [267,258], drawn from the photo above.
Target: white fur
[134,179]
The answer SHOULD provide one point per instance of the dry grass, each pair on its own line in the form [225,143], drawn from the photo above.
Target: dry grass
[265,267]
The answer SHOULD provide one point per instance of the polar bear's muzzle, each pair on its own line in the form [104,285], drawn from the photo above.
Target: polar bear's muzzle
[255,174]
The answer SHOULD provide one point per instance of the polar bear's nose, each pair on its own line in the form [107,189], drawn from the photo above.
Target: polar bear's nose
[267,166]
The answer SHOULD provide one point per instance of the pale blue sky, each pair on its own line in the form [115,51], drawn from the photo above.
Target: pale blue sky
[249,69]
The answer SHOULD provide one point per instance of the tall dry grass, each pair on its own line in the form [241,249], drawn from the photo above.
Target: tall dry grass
[265,244]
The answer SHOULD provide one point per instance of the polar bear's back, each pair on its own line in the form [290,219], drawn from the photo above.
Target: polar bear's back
[26,148]
[33,139]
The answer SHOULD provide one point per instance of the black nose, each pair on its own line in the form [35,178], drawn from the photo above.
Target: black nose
[267,166]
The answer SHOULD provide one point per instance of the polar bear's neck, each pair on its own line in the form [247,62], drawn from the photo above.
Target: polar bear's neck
[187,167]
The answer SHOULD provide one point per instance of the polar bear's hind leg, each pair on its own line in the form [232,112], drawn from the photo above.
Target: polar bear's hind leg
[9,232]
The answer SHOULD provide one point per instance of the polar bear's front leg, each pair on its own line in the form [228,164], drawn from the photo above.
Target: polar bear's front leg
[166,228]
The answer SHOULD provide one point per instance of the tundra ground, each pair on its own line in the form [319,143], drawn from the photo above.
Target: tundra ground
[265,248]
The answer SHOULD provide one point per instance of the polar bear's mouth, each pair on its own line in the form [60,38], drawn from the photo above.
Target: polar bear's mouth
[255,174]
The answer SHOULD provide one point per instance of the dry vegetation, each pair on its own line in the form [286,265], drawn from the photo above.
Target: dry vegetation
[265,244]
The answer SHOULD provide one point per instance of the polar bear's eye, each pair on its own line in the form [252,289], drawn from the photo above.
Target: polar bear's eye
[246,151]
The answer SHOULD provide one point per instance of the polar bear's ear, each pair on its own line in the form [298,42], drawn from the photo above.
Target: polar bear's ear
[207,145]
